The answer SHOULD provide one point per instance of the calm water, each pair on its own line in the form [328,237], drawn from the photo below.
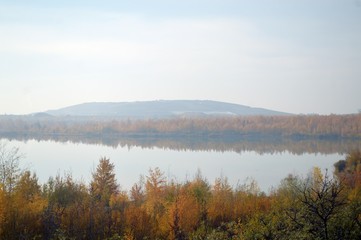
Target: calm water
[48,157]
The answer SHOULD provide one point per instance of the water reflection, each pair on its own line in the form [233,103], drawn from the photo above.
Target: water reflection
[266,161]
[259,145]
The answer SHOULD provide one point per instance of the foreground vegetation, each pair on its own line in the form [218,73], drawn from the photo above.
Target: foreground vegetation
[318,206]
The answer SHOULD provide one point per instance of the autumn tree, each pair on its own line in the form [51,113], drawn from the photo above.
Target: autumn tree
[118,204]
[10,173]
[246,199]
[180,212]
[102,188]
[221,203]
[2,211]
[200,189]
[138,222]
[137,192]
[104,183]
[349,170]
[155,191]
[29,205]
[9,167]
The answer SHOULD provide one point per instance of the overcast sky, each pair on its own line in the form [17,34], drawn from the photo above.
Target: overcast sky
[292,56]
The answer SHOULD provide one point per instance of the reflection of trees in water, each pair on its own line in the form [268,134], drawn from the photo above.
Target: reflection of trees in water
[221,144]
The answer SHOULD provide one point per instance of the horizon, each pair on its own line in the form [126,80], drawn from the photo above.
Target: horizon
[299,57]
[172,100]
[156,100]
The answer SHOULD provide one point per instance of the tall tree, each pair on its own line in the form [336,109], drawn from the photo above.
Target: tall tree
[155,187]
[9,167]
[222,198]
[104,183]
[102,188]
[28,206]
[349,170]
[322,200]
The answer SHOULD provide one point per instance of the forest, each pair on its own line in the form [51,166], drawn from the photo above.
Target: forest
[241,127]
[321,205]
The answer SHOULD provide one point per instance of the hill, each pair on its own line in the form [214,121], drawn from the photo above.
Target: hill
[161,109]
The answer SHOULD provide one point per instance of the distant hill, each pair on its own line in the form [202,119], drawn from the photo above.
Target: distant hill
[161,109]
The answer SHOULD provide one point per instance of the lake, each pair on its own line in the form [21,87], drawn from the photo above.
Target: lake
[267,164]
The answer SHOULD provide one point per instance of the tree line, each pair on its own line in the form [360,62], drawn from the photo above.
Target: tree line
[250,127]
[318,206]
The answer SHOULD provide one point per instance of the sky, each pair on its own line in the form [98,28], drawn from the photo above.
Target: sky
[286,55]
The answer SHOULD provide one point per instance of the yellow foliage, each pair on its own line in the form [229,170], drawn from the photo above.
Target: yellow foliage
[188,211]
[2,208]
[317,177]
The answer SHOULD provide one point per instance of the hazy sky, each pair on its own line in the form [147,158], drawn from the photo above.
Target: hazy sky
[299,56]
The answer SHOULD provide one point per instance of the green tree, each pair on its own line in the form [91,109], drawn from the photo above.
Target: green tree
[321,200]
[68,204]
